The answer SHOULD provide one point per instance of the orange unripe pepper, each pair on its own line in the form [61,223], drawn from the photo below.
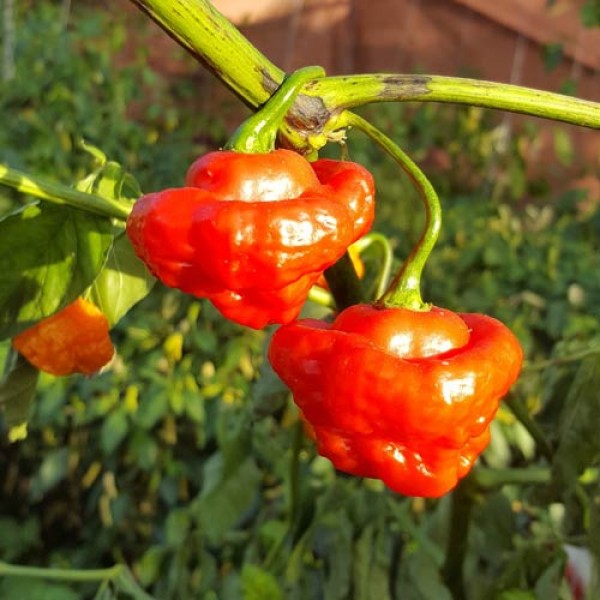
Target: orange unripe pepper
[74,340]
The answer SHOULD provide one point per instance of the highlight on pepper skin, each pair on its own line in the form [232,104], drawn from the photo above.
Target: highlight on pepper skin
[415,415]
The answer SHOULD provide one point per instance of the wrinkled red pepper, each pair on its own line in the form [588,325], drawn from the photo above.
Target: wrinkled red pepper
[398,395]
[253,232]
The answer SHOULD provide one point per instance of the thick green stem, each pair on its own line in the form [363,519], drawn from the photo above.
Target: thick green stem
[456,547]
[352,91]
[60,574]
[405,289]
[75,575]
[213,40]
[320,296]
[385,265]
[294,495]
[344,284]
[259,132]
[486,478]
[119,574]
[61,194]
[562,360]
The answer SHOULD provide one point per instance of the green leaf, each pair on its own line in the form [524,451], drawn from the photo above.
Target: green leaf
[338,540]
[54,469]
[17,389]
[111,181]
[422,578]
[258,584]
[19,588]
[114,430]
[370,575]
[123,281]
[563,146]
[590,13]
[177,527]
[144,450]
[230,494]
[149,566]
[17,537]
[553,55]
[548,585]
[269,393]
[579,444]
[48,256]
[153,406]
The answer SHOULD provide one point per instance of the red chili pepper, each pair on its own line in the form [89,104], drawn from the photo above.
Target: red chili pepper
[399,395]
[253,232]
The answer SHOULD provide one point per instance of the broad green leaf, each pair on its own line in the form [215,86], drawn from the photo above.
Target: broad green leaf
[590,13]
[232,494]
[48,256]
[553,55]
[149,565]
[21,588]
[370,575]
[269,393]
[17,537]
[123,281]
[177,527]
[114,430]
[111,181]
[421,577]
[338,547]
[258,584]
[153,406]
[17,389]
[579,444]
[144,450]
[234,438]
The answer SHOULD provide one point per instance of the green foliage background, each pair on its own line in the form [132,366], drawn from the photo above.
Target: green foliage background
[185,459]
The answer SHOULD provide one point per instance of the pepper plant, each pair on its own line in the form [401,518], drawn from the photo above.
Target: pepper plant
[389,386]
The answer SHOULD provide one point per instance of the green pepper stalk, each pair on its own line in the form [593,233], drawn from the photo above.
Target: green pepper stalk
[405,289]
[41,188]
[258,134]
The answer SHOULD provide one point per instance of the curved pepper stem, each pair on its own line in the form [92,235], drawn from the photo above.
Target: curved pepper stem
[405,289]
[259,133]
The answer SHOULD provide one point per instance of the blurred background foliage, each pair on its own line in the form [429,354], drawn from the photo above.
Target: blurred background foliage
[185,459]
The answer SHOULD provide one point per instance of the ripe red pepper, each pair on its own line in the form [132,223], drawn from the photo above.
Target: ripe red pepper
[399,395]
[253,232]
